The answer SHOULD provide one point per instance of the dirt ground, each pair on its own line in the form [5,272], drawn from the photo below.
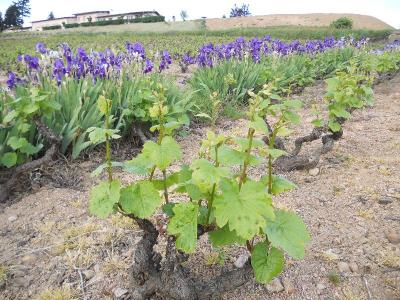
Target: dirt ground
[50,246]
[360,21]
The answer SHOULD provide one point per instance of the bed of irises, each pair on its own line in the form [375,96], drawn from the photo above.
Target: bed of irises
[61,86]
[63,62]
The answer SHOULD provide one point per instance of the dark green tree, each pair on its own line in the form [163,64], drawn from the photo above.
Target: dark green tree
[1,22]
[15,13]
[11,17]
[51,16]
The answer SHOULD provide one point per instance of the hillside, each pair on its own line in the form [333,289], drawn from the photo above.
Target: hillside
[318,20]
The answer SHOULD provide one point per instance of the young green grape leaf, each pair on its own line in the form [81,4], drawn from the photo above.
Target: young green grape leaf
[259,125]
[103,104]
[275,153]
[230,157]
[245,210]
[283,131]
[288,232]
[140,199]
[103,197]
[279,184]
[318,122]
[184,226]
[223,237]
[101,168]
[205,174]
[162,155]
[334,126]
[168,209]
[266,263]
[140,165]
[243,143]
[9,159]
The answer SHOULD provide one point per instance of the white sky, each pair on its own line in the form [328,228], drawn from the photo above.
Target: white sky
[386,10]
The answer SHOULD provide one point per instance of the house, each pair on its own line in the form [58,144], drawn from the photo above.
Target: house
[128,16]
[90,16]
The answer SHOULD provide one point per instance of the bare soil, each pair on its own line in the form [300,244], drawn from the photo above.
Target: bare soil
[48,240]
[317,20]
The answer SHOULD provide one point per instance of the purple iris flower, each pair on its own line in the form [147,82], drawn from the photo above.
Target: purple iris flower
[13,80]
[41,48]
[148,66]
[59,70]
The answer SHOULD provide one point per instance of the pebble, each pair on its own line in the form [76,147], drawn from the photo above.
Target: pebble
[241,260]
[353,267]
[275,286]
[289,286]
[313,172]
[331,255]
[343,267]
[119,292]
[320,288]
[393,237]
[385,200]
[28,259]
[89,274]
[12,218]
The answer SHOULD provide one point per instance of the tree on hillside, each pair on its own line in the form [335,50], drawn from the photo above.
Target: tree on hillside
[51,16]
[1,22]
[11,17]
[184,15]
[24,8]
[240,11]
[15,13]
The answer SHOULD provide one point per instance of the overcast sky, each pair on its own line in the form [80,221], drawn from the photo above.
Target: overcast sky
[386,10]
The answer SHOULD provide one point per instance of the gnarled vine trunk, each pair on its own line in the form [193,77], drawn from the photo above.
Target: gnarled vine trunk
[168,279]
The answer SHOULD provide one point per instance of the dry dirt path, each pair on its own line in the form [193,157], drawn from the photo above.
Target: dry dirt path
[352,209]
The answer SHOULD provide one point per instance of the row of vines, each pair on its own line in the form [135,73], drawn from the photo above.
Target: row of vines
[51,109]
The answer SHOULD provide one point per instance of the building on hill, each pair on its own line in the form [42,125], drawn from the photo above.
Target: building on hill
[90,16]
[129,16]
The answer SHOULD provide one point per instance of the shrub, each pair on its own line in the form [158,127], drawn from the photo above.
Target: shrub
[73,25]
[152,19]
[54,27]
[342,23]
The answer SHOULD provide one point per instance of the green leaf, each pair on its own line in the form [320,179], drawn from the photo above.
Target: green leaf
[230,157]
[140,165]
[103,105]
[10,116]
[275,153]
[103,197]
[162,155]
[140,199]
[266,263]
[101,168]
[203,115]
[259,125]
[16,143]
[243,143]
[168,209]
[318,122]
[9,159]
[334,126]
[223,237]
[205,174]
[279,184]
[29,149]
[288,232]
[183,225]
[341,113]
[245,210]
[283,131]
